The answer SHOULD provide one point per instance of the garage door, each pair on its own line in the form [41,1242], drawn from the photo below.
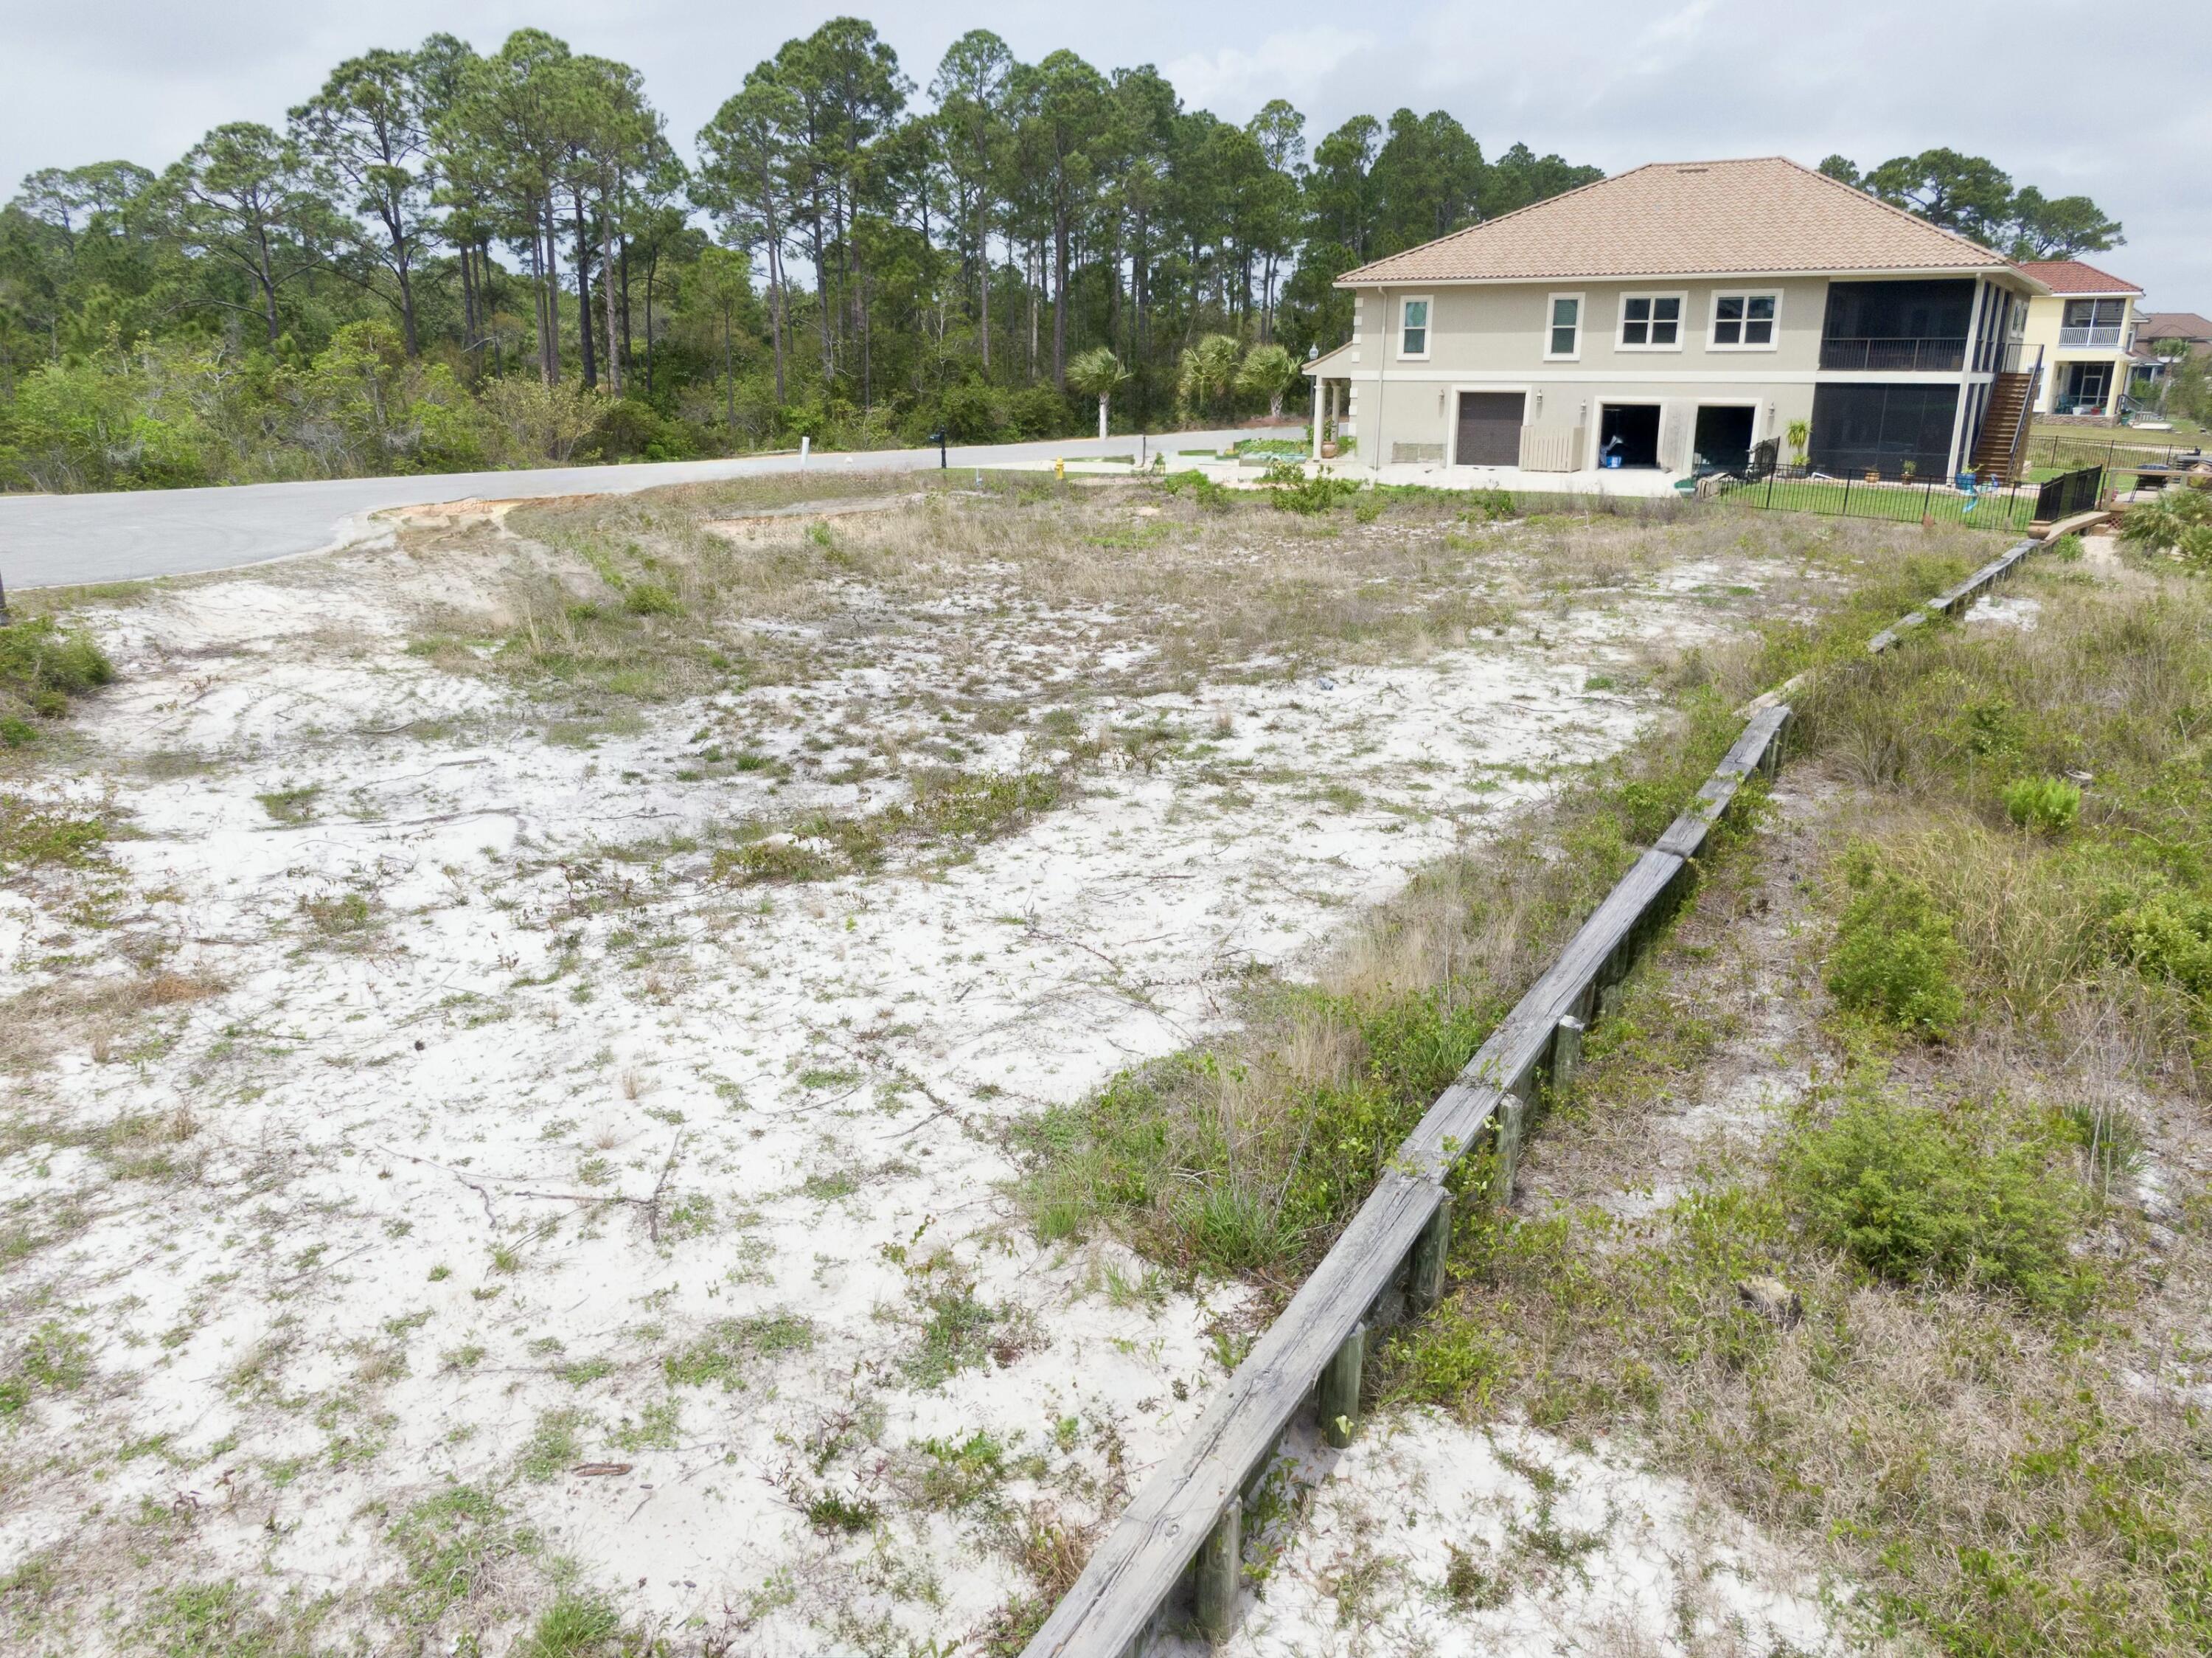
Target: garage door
[1490,429]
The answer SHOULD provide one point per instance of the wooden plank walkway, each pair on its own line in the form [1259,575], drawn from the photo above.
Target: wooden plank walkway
[1137,1571]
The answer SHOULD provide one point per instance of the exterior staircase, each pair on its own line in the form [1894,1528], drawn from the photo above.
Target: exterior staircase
[2000,449]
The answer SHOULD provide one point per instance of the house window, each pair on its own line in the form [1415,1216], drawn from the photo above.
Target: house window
[1744,321]
[1564,334]
[1413,329]
[1651,322]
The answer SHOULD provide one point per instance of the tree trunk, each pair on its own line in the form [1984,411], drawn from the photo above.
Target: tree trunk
[586,346]
[729,377]
[607,300]
[406,294]
[1102,417]
[1060,301]
[625,311]
[985,337]
[652,269]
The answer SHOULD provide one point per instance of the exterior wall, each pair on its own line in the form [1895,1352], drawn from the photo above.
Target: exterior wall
[1493,337]
[2046,314]
[1423,412]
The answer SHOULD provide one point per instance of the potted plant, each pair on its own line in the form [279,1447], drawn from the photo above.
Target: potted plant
[1800,434]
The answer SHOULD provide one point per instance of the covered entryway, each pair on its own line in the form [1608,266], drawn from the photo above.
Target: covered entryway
[1722,442]
[1628,434]
[1490,429]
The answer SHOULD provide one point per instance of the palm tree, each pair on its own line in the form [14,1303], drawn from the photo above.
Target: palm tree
[1209,371]
[1271,371]
[1098,372]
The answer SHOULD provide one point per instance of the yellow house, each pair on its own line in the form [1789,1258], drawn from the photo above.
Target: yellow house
[2085,327]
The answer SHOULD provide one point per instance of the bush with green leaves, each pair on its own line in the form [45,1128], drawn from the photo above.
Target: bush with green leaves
[2043,805]
[2179,522]
[1915,1193]
[1291,491]
[1895,959]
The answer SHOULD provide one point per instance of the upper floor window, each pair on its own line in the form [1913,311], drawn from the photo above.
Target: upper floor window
[1744,321]
[2095,312]
[1413,328]
[1563,332]
[1651,322]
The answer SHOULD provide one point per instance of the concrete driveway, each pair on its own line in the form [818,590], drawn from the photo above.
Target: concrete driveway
[63,540]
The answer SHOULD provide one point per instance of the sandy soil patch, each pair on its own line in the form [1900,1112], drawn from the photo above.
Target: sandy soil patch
[505,1180]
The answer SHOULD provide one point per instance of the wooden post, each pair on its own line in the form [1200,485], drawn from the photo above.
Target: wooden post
[1340,1389]
[1512,1119]
[1220,1565]
[1566,1054]
[1425,1276]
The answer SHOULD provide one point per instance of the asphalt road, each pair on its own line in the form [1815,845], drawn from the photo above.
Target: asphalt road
[62,540]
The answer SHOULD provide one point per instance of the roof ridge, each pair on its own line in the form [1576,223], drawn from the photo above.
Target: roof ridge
[2093,270]
[1905,213]
[1773,167]
[1485,224]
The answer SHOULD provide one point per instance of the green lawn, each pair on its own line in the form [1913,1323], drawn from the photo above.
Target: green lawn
[1903,503]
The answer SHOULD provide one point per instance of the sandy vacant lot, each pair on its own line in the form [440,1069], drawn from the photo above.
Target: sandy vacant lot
[513,1115]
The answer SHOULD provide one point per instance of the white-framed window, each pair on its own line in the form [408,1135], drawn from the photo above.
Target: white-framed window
[1650,322]
[1413,327]
[1745,322]
[1563,328]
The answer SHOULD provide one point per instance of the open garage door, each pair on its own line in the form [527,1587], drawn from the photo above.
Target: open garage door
[1490,429]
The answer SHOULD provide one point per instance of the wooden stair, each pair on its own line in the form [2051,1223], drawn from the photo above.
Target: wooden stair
[1998,452]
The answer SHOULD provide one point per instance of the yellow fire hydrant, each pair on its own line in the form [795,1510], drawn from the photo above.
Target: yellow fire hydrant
[1060,467]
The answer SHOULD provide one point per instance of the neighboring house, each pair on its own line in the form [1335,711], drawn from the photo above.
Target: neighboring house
[1676,316]
[2153,329]
[2086,326]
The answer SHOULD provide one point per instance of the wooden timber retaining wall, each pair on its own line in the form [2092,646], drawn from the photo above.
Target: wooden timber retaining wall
[1179,1544]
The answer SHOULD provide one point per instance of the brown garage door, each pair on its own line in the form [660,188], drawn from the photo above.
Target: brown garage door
[1490,429]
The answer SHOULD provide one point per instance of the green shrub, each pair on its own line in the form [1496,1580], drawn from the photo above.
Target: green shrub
[1895,958]
[1912,1193]
[651,599]
[2177,522]
[2045,805]
[1291,491]
[2165,935]
[1488,506]
[42,666]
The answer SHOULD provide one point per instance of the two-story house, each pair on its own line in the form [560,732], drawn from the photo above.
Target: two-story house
[2085,328]
[1673,317]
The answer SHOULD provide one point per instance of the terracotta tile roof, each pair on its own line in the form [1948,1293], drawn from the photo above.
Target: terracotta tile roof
[1767,216]
[2071,277]
[2173,325]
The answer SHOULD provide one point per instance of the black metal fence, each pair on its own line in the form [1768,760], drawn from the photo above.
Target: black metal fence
[2069,493]
[1907,354]
[1899,497]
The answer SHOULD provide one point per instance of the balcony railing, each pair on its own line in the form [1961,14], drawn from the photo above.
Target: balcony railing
[2090,338]
[1909,355]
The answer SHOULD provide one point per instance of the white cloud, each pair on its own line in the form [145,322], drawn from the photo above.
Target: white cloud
[1234,81]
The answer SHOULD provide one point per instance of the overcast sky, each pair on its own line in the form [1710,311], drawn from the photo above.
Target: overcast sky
[1603,81]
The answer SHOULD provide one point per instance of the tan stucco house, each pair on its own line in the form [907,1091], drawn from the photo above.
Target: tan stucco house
[2085,327]
[1672,318]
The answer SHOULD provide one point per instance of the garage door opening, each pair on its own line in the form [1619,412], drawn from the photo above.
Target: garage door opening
[1722,443]
[1628,434]
[1490,429]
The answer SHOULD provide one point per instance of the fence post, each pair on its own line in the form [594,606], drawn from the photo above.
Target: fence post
[1512,1119]
[1425,1278]
[1847,495]
[1339,1390]
[1220,1559]
[1770,486]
